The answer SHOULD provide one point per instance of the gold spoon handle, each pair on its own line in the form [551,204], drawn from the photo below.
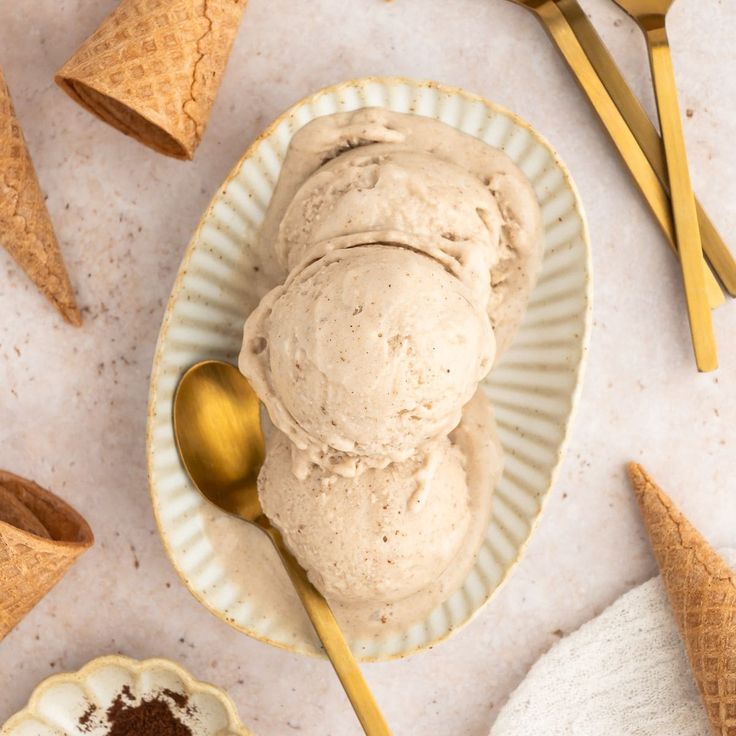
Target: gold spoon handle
[644,131]
[336,647]
[683,201]
[557,27]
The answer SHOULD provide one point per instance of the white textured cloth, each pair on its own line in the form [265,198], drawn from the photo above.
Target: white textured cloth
[624,673]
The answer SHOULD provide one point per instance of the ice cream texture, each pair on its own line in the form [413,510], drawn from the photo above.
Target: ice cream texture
[366,356]
[403,197]
[374,175]
[404,251]
[379,537]
[389,537]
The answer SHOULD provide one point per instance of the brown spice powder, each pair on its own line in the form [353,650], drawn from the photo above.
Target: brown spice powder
[86,717]
[151,717]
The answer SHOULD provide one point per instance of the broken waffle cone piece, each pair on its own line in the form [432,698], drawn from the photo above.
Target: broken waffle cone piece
[25,227]
[40,538]
[702,591]
[152,69]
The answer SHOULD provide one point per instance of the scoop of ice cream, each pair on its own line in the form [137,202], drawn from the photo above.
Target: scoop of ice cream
[376,538]
[383,194]
[327,149]
[367,355]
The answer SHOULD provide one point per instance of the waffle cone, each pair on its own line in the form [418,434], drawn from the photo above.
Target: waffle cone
[152,69]
[31,565]
[25,227]
[702,591]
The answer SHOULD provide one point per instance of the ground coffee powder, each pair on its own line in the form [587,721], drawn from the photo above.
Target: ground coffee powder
[150,717]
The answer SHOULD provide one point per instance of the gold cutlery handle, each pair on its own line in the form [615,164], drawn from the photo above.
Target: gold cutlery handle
[336,647]
[641,170]
[683,201]
[644,131]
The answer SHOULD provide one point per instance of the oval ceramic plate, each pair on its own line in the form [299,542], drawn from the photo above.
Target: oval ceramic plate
[230,566]
[72,704]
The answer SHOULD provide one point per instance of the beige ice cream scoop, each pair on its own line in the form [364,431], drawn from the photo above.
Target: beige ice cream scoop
[376,538]
[385,194]
[352,174]
[366,356]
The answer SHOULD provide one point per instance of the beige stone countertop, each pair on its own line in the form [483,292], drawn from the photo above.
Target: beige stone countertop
[73,402]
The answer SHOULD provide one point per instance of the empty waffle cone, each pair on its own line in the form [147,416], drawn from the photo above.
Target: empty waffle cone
[25,227]
[152,69]
[702,590]
[31,563]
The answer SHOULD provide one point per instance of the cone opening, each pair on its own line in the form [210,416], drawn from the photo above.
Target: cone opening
[41,513]
[16,514]
[125,119]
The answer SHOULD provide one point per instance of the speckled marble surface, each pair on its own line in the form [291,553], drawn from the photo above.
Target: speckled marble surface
[73,402]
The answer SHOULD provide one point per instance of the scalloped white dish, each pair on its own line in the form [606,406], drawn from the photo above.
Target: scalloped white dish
[230,567]
[74,703]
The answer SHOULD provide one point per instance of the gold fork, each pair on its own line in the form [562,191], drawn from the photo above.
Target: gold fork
[650,16]
[591,64]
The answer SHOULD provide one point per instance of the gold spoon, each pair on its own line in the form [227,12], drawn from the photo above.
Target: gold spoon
[218,433]
[650,16]
[599,77]
[550,14]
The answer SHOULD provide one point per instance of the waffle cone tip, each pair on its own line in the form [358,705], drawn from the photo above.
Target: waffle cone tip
[26,230]
[702,592]
[655,505]
[644,484]
[637,474]
[71,313]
